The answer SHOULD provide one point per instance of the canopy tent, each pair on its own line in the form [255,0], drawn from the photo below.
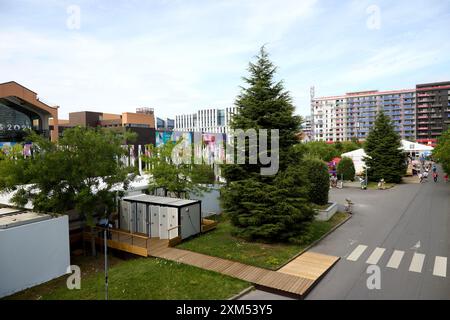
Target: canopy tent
[357,157]
[409,147]
[412,148]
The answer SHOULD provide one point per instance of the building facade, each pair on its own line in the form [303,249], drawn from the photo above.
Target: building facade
[351,116]
[165,124]
[306,129]
[141,122]
[433,111]
[206,120]
[21,109]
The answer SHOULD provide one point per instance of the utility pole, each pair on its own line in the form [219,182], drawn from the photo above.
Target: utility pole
[105,234]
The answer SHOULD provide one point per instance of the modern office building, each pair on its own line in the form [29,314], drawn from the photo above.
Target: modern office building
[350,116]
[206,120]
[165,124]
[141,122]
[21,109]
[433,111]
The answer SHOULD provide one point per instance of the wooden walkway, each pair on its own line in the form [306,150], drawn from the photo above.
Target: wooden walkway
[283,281]
[310,265]
[297,277]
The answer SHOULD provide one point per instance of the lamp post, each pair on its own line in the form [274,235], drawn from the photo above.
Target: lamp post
[367,179]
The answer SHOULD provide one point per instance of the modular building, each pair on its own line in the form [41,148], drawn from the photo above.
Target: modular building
[34,248]
[160,217]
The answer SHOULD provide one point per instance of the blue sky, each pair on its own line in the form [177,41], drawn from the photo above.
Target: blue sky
[180,56]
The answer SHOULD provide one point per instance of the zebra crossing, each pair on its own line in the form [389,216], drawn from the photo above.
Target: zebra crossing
[397,257]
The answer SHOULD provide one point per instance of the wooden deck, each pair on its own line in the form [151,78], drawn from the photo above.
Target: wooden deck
[282,281]
[297,277]
[310,265]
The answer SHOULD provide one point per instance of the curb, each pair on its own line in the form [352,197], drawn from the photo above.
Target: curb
[316,242]
[242,293]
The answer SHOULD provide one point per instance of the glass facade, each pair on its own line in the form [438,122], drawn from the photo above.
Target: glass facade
[13,122]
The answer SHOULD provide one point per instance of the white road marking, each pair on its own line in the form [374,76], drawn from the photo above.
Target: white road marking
[440,267]
[395,259]
[417,262]
[375,256]
[416,246]
[357,253]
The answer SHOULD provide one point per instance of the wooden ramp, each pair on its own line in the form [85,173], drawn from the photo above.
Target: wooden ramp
[310,265]
[289,283]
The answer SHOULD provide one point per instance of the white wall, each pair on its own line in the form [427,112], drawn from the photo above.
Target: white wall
[190,220]
[32,254]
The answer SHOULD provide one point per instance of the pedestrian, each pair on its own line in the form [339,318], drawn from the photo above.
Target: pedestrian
[446,177]
[420,175]
[425,175]
[435,176]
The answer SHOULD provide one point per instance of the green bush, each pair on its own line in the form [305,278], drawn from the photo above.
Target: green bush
[346,169]
[319,181]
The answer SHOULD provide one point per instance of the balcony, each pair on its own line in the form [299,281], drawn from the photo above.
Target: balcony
[422,117]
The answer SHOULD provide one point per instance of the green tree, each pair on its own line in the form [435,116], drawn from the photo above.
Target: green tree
[346,169]
[385,158]
[80,172]
[274,207]
[321,150]
[319,181]
[174,176]
[441,152]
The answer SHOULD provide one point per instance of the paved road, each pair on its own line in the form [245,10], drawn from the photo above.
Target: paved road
[412,220]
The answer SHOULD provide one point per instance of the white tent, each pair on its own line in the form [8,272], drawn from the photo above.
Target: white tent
[412,148]
[416,148]
[357,156]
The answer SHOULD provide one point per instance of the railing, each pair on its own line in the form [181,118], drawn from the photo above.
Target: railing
[173,228]
[132,239]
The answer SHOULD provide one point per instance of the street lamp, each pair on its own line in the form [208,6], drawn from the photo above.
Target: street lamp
[367,179]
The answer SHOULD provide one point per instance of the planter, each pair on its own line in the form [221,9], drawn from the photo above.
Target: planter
[326,214]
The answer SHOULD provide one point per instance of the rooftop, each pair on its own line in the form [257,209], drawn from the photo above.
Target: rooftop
[12,220]
[165,201]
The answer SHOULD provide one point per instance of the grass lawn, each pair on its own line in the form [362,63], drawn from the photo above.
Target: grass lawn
[221,243]
[140,279]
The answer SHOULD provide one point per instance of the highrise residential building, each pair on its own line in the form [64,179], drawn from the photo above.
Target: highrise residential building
[433,111]
[206,120]
[351,116]
[306,129]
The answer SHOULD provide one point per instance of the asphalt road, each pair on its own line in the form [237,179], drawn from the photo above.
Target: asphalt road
[411,220]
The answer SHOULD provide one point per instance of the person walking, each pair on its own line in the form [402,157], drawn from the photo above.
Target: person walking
[446,177]
[420,175]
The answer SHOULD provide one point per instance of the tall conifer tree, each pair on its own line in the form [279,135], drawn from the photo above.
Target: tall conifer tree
[275,207]
[385,158]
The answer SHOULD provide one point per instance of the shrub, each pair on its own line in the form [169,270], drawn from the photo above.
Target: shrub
[346,169]
[319,181]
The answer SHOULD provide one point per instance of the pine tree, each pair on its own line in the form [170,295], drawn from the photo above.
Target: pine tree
[267,207]
[385,158]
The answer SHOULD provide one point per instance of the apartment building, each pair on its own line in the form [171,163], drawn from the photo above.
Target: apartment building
[350,116]
[206,120]
[433,111]
[306,129]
